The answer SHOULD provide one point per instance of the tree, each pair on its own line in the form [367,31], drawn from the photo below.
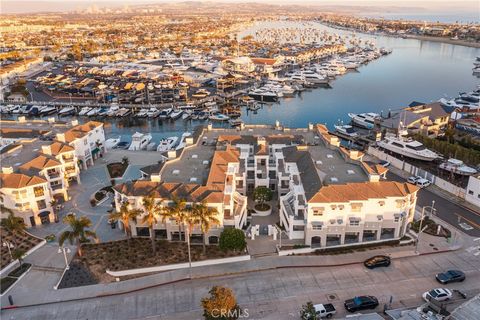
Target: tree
[178,211]
[125,215]
[262,195]
[18,254]
[152,211]
[308,312]
[232,239]
[221,304]
[205,216]
[78,232]
[14,225]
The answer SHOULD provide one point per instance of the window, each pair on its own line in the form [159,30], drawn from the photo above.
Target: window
[333,207]
[41,204]
[470,192]
[381,203]
[316,227]
[356,207]
[341,207]
[354,221]
[318,212]
[85,142]
[396,218]
[400,203]
[38,191]
[298,228]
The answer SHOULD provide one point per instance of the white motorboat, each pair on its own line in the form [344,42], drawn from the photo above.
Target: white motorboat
[112,112]
[84,111]
[184,136]
[364,120]
[407,147]
[142,113]
[123,112]
[48,110]
[93,112]
[151,146]
[140,141]
[346,130]
[112,142]
[458,167]
[176,114]
[69,110]
[167,144]
[235,122]
[165,113]
[153,112]
[218,117]
[263,95]
[186,115]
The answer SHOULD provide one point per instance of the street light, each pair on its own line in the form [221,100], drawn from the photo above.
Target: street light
[10,246]
[64,250]
[189,254]
[432,210]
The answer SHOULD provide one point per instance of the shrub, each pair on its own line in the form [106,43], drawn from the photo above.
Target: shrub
[232,239]
[221,304]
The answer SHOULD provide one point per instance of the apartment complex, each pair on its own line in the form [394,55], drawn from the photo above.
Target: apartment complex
[325,195]
[39,162]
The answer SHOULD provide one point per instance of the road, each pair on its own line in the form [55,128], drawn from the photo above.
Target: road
[446,210]
[275,294]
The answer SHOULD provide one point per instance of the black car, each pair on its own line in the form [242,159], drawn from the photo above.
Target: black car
[450,276]
[377,261]
[361,303]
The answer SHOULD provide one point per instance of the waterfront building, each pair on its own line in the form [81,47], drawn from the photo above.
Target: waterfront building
[324,194]
[35,169]
[473,190]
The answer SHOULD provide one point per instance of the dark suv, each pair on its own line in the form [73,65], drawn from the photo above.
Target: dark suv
[361,303]
[450,276]
[377,261]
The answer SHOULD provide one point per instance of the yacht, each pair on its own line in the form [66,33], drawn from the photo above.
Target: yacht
[346,130]
[142,113]
[165,113]
[112,112]
[167,144]
[364,120]
[139,141]
[93,112]
[263,95]
[84,111]
[181,144]
[48,110]
[457,167]
[219,117]
[186,115]
[102,112]
[176,114]
[152,112]
[123,112]
[235,122]
[67,111]
[112,142]
[407,147]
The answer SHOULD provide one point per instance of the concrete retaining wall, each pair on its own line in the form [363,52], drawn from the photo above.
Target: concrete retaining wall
[12,265]
[177,266]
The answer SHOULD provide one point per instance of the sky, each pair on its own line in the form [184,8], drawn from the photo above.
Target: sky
[425,6]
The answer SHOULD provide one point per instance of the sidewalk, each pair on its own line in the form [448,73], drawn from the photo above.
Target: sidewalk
[24,293]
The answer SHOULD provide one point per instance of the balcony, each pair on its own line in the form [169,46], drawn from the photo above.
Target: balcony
[56,187]
[68,159]
[53,174]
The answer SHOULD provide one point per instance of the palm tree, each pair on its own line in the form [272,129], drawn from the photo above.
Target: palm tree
[14,225]
[125,215]
[78,233]
[178,211]
[152,211]
[205,216]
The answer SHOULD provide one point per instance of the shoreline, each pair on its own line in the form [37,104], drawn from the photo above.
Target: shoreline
[409,36]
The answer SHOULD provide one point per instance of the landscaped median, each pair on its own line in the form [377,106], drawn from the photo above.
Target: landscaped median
[126,258]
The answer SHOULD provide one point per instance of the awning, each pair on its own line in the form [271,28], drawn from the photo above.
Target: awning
[317,223]
[44,214]
[354,219]
[96,150]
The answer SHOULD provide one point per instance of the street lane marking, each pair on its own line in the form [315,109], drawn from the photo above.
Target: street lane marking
[469,221]
[465,226]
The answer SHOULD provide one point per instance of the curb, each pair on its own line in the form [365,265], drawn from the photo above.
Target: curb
[208,277]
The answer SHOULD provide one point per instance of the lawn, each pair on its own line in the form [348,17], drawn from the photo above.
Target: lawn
[24,241]
[117,169]
[117,255]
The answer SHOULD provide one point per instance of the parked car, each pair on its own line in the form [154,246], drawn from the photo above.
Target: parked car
[377,261]
[438,294]
[361,303]
[324,310]
[413,179]
[422,183]
[450,276]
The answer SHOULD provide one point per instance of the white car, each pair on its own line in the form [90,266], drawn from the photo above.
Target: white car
[423,183]
[413,179]
[438,294]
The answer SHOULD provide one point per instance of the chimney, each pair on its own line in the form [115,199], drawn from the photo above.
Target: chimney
[61,137]
[7,170]
[47,150]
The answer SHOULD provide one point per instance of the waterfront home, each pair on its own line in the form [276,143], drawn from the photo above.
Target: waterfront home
[473,190]
[326,195]
[27,196]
